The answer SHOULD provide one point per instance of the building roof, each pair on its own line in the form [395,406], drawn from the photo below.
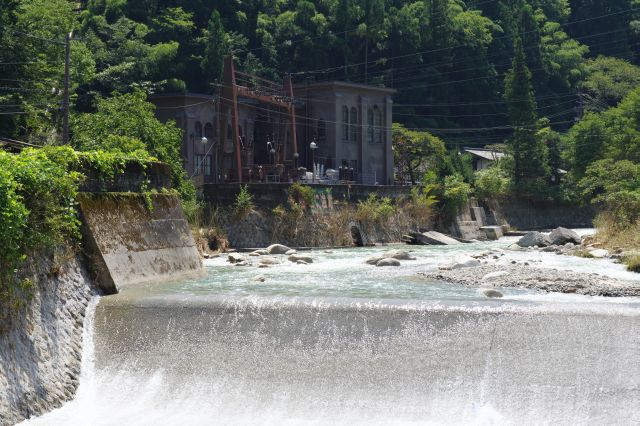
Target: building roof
[487,154]
[343,85]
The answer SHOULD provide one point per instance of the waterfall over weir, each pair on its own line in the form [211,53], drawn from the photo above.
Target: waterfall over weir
[176,357]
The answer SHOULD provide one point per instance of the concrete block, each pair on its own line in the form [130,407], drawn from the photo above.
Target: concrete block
[130,243]
[492,232]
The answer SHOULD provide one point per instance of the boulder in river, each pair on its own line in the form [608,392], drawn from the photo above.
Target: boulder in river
[290,252]
[398,255]
[260,252]
[388,262]
[258,278]
[295,258]
[269,261]
[392,254]
[534,238]
[235,258]
[375,259]
[277,249]
[460,262]
[561,236]
[490,292]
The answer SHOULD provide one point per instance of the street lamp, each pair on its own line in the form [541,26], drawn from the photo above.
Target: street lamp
[313,147]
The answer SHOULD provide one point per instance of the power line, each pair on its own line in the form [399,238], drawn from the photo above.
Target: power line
[50,40]
[325,70]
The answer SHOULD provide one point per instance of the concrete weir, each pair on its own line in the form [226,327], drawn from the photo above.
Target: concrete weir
[132,239]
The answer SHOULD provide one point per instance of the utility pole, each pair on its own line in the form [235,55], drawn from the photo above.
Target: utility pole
[65,102]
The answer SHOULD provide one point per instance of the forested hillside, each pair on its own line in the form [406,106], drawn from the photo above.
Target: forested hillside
[552,83]
[447,59]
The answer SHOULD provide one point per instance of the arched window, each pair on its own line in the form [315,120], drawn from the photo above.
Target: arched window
[198,129]
[208,131]
[370,125]
[354,124]
[377,123]
[345,123]
[322,130]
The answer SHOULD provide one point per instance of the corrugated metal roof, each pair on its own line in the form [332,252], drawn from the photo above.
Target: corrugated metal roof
[487,154]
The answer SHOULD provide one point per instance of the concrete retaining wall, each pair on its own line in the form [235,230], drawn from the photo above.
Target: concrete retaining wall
[41,344]
[130,242]
[332,228]
[527,213]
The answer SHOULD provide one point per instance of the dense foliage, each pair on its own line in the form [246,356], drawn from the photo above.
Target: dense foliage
[126,125]
[38,190]
[551,82]
[448,59]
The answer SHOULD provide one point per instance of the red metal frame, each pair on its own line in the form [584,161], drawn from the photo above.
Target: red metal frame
[267,92]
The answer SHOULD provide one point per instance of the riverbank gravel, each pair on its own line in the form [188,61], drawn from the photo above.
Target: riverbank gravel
[535,278]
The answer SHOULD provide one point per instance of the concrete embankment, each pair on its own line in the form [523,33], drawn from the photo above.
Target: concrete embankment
[133,240]
[41,345]
[128,239]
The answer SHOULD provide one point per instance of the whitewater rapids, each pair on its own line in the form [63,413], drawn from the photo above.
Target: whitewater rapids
[342,342]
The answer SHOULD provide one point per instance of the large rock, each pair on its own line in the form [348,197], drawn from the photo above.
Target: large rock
[277,249]
[388,262]
[269,261]
[261,252]
[490,292]
[375,259]
[398,255]
[534,238]
[561,236]
[392,254]
[460,262]
[295,258]
[235,258]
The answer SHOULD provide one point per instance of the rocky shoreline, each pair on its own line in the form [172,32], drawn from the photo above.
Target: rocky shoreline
[525,275]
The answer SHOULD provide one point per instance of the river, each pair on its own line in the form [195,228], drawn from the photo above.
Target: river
[342,342]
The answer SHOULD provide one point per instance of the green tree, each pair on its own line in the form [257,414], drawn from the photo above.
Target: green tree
[416,152]
[608,80]
[586,143]
[530,156]
[127,123]
[216,47]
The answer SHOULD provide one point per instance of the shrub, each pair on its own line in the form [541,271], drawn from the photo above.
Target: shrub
[491,183]
[302,193]
[421,203]
[37,211]
[633,263]
[38,191]
[244,202]
[375,209]
[456,193]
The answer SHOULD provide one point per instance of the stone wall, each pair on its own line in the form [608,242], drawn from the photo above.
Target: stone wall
[330,228]
[41,345]
[528,213]
[132,239]
[519,213]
